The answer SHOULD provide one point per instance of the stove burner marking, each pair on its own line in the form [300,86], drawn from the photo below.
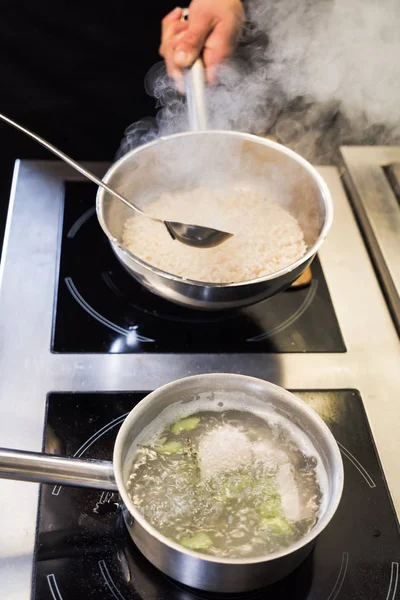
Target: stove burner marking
[292,319]
[52,583]
[394,578]
[79,222]
[106,497]
[206,316]
[357,465]
[109,581]
[90,441]
[93,313]
[106,505]
[340,578]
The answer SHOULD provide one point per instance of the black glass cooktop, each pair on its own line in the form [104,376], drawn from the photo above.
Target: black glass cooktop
[101,308]
[84,553]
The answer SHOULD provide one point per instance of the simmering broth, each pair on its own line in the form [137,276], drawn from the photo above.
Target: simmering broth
[228,483]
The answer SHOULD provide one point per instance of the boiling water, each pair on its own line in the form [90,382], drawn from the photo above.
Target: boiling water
[230,484]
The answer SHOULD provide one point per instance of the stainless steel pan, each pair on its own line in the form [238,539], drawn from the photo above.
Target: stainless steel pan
[201,157]
[188,567]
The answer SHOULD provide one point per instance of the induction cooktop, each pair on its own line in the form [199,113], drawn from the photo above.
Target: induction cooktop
[83,551]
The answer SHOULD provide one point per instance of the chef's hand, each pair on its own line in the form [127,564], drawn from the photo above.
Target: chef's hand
[213,27]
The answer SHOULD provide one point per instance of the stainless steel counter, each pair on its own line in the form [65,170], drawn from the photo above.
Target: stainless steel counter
[28,369]
[367,170]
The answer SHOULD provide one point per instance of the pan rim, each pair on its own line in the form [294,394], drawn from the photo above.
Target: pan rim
[325,193]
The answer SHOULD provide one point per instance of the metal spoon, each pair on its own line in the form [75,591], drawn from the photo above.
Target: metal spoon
[191,235]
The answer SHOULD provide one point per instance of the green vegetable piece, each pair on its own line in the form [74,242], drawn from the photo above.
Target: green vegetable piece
[278,525]
[235,484]
[185,425]
[168,448]
[200,541]
[271,507]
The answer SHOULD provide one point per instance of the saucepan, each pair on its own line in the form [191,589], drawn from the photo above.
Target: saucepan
[186,566]
[205,157]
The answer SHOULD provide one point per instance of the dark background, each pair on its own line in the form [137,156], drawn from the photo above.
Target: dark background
[73,71]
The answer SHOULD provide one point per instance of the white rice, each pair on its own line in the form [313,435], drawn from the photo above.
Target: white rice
[266,237]
[222,450]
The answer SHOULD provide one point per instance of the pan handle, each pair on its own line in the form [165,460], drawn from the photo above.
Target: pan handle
[195,85]
[46,468]
[195,96]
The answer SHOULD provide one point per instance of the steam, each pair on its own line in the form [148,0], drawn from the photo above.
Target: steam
[316,74]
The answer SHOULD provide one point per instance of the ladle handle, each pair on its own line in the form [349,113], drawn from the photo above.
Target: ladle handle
[46,468]
[70,161]
[195,86]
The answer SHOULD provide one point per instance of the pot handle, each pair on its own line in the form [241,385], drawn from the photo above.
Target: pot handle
[195,85]
[46,468]
[195,96]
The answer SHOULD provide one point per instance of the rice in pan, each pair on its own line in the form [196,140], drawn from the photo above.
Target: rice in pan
[266,237]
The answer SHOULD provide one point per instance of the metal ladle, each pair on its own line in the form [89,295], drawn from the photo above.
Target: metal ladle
[191,235]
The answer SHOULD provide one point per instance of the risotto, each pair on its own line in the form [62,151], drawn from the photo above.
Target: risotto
[266,237]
